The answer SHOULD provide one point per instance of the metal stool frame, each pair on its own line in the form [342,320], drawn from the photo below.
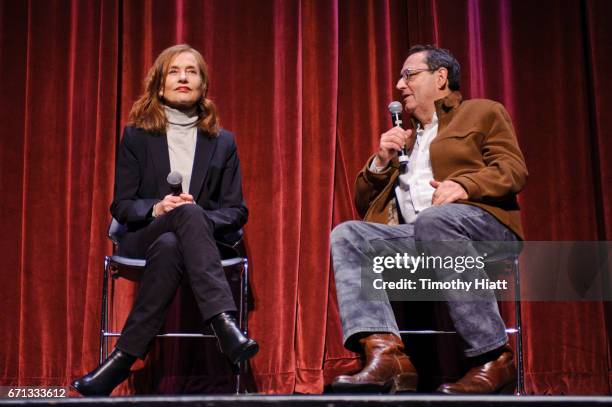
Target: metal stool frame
[116,266]
[517,330]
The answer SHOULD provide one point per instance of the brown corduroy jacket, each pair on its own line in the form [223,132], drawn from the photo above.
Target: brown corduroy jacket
[476,147]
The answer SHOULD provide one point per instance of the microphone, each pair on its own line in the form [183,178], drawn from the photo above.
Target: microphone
[395,108]
[175,180]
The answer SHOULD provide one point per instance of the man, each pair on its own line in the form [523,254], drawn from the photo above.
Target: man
[460,184]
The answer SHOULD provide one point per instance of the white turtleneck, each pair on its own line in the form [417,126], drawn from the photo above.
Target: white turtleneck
[182,136]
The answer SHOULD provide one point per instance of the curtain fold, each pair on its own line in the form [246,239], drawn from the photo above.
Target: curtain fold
[57,158]
[305,86]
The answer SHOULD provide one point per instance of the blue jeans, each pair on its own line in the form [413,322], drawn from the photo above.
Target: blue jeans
[478,322]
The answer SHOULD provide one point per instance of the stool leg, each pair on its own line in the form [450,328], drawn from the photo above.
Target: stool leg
[104,311]
[237,372]
[243,320]
[520,382]
[238,368]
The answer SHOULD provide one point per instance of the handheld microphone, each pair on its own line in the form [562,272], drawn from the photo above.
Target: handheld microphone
[175,180]
[395,108]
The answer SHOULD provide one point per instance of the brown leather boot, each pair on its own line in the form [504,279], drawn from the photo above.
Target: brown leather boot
[496,376]
[387,368]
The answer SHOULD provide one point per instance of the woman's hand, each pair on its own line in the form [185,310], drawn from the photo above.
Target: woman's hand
[170,202]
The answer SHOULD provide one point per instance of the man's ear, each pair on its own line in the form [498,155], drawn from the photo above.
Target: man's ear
[442,78]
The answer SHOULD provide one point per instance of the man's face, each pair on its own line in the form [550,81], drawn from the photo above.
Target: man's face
[183,84]
[419,86]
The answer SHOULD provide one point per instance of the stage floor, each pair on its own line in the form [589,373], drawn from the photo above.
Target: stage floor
[318,400]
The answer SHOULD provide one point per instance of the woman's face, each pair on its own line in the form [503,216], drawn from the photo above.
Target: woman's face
[183,84]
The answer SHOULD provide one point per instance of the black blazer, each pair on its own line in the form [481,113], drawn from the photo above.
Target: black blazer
[143,163]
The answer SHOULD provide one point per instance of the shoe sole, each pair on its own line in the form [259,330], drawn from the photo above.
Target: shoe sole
[88,394]
[400,383]
[507,389]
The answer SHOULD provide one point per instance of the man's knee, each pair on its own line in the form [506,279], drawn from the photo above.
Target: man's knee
[434,223]
[346,231]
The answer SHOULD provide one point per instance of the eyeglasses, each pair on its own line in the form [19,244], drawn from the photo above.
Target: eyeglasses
[409,74]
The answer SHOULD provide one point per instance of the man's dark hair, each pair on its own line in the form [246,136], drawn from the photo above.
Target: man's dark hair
[440,58]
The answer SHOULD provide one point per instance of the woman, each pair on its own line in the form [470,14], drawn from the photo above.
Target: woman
[174,127]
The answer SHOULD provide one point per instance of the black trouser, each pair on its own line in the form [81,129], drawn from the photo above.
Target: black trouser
[181,241]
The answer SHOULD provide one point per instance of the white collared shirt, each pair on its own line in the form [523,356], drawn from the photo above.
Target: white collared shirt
[413,192]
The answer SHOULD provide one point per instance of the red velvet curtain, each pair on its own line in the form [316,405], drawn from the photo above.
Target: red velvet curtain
[304,85]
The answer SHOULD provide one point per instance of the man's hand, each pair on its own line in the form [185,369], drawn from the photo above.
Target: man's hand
[170,202]
[447,192]
[390,143]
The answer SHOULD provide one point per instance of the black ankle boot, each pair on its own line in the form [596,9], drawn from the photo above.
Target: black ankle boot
[103,380]
[236,346]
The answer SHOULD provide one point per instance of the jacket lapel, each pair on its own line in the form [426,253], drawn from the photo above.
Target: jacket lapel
[205,148]
[445,108]
[158,145]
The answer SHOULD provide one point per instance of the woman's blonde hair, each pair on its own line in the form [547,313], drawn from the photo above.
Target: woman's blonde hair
[148,111]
